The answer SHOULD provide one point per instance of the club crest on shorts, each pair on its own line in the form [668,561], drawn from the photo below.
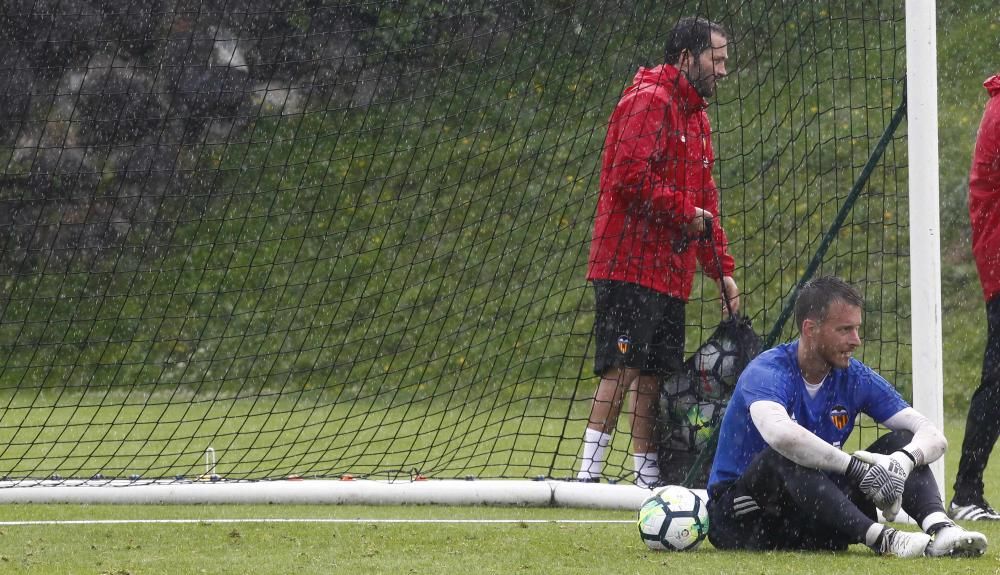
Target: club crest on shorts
[839,416]
[623,344]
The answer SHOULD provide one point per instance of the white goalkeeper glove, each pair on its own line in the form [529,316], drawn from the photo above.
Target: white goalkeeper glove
[899,464]
[880,477]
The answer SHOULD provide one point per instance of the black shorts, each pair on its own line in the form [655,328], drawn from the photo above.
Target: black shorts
[778,524]
[636,327]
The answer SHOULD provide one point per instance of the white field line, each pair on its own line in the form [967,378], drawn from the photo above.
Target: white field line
[303,520]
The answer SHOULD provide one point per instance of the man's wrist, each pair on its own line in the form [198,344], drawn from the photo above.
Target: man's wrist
[856,469]
[913,454]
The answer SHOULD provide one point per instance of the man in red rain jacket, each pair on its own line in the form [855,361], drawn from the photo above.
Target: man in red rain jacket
[657,201]
[982,427]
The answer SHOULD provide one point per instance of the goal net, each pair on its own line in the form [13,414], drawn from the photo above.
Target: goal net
[329,238]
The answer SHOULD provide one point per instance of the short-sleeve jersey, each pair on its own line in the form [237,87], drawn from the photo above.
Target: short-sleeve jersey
[775,376]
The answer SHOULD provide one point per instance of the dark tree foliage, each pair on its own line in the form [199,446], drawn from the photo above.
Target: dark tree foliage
[97,96]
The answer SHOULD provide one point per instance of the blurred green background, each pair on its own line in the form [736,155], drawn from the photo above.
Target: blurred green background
[394,280]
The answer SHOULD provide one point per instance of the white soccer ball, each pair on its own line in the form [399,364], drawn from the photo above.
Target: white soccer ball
[716,360]
[673,518]
[715,369]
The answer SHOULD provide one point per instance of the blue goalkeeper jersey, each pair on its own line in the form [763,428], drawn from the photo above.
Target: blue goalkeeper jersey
[775,376]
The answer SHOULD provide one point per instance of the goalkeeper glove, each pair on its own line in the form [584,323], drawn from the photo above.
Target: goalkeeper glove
[901,464]
[880,477]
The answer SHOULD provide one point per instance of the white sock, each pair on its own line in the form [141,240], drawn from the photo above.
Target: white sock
[595,444]
[933,519]
[873,532]
[647,469]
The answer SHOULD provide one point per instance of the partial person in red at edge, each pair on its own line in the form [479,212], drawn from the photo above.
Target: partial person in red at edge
[982,426]
[655,209]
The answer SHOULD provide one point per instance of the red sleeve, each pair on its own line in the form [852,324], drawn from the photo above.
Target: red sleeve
[719,244]
[706,255]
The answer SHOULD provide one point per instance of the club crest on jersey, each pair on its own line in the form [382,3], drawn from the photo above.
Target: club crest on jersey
[839,416]
[623,344]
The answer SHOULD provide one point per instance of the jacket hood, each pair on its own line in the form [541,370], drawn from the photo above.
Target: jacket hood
[992,85]
[668,76]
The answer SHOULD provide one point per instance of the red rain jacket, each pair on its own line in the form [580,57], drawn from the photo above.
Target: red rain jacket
[656,168]
[984,194]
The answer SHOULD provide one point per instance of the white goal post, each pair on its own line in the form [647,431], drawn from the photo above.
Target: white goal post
[925,223]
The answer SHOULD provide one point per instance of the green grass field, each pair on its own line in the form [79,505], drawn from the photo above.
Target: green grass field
[521,546]
[248,539]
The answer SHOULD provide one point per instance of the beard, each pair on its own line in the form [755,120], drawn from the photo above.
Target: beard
[702,82]
[837,358]
[705,86]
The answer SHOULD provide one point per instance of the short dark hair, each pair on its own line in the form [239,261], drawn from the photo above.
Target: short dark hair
[817,294]
[693,34]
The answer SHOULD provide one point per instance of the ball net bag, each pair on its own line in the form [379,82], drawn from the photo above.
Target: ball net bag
[692,401]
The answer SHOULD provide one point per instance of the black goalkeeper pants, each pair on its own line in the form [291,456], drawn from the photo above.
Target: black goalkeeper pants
[982,426]
[803,508]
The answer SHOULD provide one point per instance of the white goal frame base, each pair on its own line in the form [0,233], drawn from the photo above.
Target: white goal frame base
[548,493]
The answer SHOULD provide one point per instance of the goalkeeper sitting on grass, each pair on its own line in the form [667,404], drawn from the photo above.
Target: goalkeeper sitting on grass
[780,479]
